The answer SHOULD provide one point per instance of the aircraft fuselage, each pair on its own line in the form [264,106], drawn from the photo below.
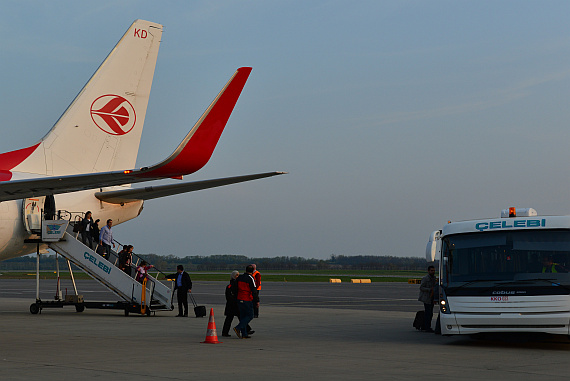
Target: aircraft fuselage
[13,231]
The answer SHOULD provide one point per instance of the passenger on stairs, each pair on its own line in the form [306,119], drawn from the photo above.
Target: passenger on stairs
[142,271]
[106,238]
[95,230]
[86,227]
[126,258]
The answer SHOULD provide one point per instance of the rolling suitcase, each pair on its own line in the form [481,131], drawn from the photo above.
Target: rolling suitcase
[438,326]
[199,311]
[419,320]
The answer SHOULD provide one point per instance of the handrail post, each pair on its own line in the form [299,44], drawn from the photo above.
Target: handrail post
[143,297]
[71,276]
[58,288]
[38,273]
[151,293]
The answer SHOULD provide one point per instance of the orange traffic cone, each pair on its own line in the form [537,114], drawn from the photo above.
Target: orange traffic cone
[211,333]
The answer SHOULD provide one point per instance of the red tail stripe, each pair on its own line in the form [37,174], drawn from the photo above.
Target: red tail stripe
[200,147]
[11,159]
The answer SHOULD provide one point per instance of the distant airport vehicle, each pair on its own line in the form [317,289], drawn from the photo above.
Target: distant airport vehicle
[86,161]
[507,274]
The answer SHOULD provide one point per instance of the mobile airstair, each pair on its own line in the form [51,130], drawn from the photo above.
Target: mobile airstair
[146,298]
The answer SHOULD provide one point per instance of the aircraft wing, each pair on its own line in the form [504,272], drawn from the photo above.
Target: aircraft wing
[33,187]
[148,193]
[192,154]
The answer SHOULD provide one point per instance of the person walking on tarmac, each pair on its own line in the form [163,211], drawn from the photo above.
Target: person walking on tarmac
[182,287]
[232,308]
[247,298]
[427,288]
[257,277]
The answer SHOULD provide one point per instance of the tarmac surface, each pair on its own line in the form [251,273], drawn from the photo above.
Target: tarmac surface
[314,331]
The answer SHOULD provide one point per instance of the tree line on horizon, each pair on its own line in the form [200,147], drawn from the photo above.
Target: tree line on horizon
[168,263]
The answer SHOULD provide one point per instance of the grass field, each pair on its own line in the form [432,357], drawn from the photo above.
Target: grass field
[269,276]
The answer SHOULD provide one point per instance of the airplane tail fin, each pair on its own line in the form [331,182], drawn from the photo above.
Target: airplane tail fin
[101,130]
[197,147]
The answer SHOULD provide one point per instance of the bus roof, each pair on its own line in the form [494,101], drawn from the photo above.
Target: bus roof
[509,223]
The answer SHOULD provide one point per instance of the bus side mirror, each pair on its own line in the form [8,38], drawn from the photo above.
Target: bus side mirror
[433,245]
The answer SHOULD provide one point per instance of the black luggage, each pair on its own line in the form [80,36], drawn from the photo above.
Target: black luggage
[199,311]
[438,326]
[101,250]
[419,320]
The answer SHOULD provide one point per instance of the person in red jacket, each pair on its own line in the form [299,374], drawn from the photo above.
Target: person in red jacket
[247,298]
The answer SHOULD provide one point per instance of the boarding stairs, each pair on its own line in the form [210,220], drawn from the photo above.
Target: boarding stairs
[157,295]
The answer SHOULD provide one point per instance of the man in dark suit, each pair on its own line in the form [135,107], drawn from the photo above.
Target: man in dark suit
[182,287]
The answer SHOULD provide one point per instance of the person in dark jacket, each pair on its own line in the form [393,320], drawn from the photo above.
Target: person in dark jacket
[182,287]
[231,304]
[427,293]
[95,230]
[247,298]
[126,259]
[86,227]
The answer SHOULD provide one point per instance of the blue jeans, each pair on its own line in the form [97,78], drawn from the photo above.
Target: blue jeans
[245,315]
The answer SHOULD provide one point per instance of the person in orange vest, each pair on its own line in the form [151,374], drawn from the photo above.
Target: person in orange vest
[548,265]
[257,277]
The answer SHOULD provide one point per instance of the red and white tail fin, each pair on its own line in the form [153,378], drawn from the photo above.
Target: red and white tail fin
[197,147]
[101,130]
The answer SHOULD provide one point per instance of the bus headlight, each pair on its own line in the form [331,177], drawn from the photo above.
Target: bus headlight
[443,304]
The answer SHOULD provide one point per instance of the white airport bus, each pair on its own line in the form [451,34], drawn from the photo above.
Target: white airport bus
[507,274]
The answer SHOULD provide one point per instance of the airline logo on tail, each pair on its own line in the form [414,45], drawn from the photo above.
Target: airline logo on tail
[113,114]
[75,156]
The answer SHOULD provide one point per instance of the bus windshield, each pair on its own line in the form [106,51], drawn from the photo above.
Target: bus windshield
[518,259]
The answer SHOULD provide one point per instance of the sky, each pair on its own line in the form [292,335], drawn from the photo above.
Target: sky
[390,117]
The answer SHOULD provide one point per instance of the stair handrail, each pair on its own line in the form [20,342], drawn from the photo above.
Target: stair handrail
[163,298]
[139,259]
[78,217]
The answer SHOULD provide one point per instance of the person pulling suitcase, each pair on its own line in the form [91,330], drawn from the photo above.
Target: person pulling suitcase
[183,287]
[427,294]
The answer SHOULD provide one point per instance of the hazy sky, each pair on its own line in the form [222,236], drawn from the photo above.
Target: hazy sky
[392,117]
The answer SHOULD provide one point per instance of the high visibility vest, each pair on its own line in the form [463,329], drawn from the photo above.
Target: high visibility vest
[257,276]
[552,269]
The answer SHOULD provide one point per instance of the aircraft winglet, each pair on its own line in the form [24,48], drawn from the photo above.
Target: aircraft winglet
[197,147]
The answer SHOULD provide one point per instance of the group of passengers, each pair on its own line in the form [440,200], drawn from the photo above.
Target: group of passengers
[242,301]
[90,232]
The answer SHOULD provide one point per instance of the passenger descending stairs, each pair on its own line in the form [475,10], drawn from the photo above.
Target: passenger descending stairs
[158,296]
